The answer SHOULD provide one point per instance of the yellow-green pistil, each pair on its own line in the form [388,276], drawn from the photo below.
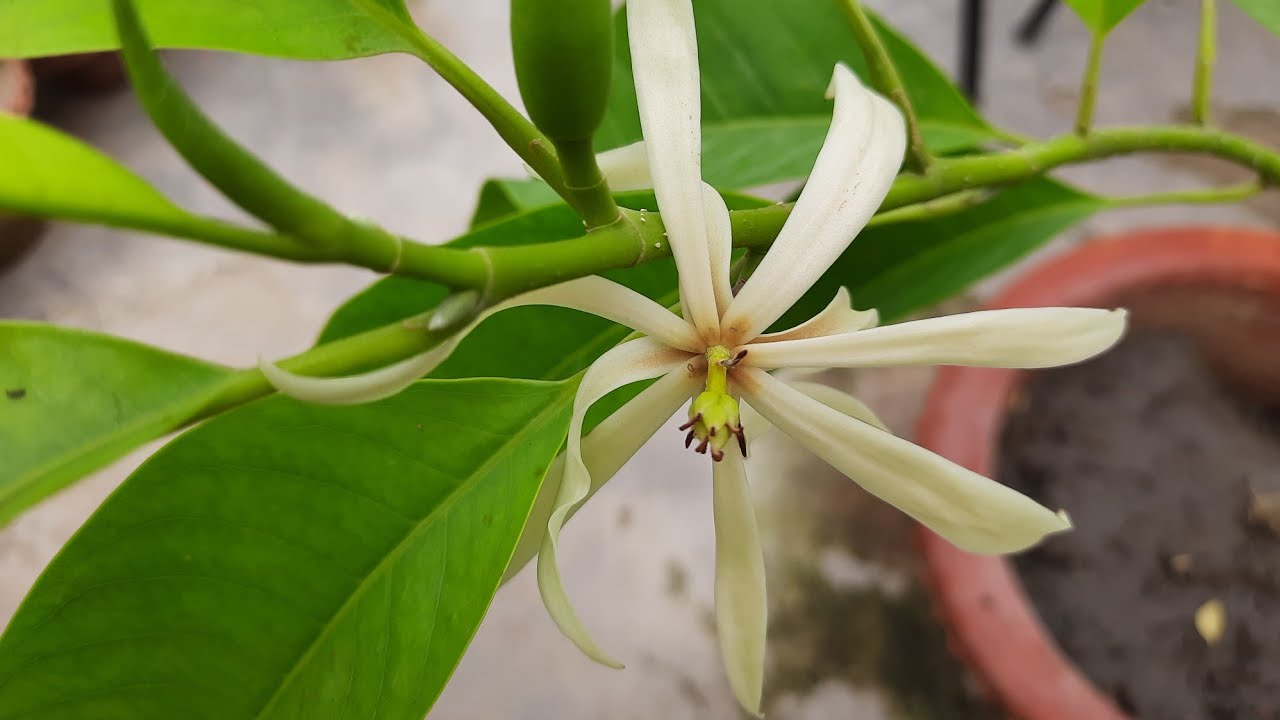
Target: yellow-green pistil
[714,416]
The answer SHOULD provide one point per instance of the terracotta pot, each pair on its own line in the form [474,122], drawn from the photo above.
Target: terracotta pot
[1220,285]
[17,97]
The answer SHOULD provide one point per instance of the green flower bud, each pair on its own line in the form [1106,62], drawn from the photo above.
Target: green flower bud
[564,63]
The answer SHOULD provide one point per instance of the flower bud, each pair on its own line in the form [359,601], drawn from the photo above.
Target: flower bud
[564,63]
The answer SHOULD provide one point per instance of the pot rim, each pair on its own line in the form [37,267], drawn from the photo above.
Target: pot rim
[992,625]
[24,97]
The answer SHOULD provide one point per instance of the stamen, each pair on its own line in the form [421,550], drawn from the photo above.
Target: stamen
[688,440]
[702,447]
[692,421]
[733,361]
[717,455]
[742,440]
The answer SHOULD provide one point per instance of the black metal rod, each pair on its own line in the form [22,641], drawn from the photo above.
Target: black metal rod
[971,48]
[1030,29]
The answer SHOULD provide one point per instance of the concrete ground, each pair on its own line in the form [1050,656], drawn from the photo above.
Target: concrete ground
[384,138]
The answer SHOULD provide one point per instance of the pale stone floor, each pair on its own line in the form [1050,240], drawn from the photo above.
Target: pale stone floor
[384,138]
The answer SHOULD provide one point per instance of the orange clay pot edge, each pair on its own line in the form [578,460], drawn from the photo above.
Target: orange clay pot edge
[991,625]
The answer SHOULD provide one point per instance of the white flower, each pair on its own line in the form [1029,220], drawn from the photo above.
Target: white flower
[717,353]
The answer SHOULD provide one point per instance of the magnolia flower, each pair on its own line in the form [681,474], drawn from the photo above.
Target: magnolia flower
[717,354]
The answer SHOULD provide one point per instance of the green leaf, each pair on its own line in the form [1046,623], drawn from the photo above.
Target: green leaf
[765,68]
[48,173]
[1100,16]
[906,267]
[303,29]
[290,561]
[72,401]
[1266,12]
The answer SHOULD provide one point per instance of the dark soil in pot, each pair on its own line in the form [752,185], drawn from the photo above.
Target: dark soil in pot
[1167,474]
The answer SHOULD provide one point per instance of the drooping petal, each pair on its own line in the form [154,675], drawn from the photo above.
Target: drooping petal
[626,168]
[591,294]
[837,317]
[604,451]
[664,51]
[853,172]
[741,605]
[755,425]
[719,245]
[1012,338]
[976,514]
[627,363]
[371,386]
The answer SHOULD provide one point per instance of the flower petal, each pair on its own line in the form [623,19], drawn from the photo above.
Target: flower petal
[605,450]
[366,387]
[754,425]
[854,170]
[664,51]
[626,168]
[837,317]
[591,294]
[976,514]
[619,303]
[741,606]
[1012,338]
[719,245]
[627,363]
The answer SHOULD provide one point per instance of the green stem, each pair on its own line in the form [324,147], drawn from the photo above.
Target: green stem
[1089,88]
[514,128]
[503,271]
[1204,61]
[885,77]
[583,181]
[932,209]
[952,175]
[1230,193]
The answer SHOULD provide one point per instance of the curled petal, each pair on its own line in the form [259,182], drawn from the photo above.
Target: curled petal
[626,168]
[604,451]
[853,173]
[627,363]
[741,606]
[837,317]
[976,514]
[664,46]
[1012,338]
[591,294]
[371,386]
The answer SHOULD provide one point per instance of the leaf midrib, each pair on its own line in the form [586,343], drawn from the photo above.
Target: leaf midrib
[443,507]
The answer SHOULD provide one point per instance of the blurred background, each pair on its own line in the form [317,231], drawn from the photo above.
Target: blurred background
[852,634]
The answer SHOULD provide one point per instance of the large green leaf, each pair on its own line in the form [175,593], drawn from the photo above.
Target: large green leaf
[45,172]
[765,68]
[905,267]
[1102,15]
[72,401]
[290,561]
[1266,12]
[304,29]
